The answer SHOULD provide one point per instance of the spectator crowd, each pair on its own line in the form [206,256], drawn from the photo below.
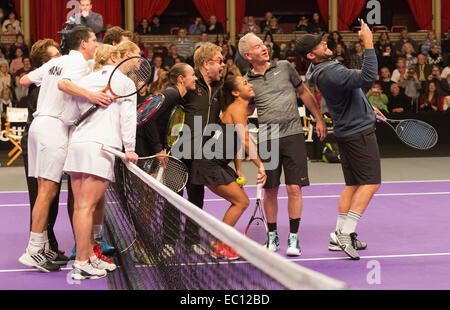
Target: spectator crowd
[413,76]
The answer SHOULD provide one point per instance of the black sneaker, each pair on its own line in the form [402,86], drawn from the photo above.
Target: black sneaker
[56,257]
[39,261]
[334,246]
[346,242]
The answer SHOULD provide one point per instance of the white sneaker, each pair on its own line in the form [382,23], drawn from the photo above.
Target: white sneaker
[274,241]
[293,246]
[87,271]
[168,250]
[102,262]
[38,261]
[103,265]
[198,249]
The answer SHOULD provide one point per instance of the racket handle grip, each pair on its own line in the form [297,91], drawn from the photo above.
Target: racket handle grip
[259,188]
[86,114]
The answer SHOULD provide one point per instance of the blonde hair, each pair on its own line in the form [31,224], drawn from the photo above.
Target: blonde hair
[205,53]
[103,54]
[126,46]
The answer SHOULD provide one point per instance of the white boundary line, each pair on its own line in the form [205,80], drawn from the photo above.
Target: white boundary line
[370,257]
[282,198]
[292,260]
[387,182]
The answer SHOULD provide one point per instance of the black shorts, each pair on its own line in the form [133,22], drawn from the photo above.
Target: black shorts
[291,156]
[360,158]
[211,172]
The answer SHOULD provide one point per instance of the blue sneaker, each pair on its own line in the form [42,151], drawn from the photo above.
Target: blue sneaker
[74,252]
[274,242]
[105,247]
[293,246]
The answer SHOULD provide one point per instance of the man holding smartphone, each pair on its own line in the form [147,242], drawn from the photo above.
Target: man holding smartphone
[354,128]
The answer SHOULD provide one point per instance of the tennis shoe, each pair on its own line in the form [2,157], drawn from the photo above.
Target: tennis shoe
[88,271]
[38,261]
[223,251]
[106,248]
[293,248]
[199,249]
[346,242]
[102,262]
[56,257]
[168,250]
[334,246]
[273,241]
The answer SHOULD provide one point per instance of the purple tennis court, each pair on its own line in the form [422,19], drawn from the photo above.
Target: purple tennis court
[405,227]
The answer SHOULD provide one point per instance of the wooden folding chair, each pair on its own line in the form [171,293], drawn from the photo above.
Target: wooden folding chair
[16,151]
[307,126]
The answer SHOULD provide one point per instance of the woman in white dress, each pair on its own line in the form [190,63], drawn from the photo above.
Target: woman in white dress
[91,169]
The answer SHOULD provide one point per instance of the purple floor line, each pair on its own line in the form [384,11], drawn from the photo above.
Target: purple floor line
[401,231]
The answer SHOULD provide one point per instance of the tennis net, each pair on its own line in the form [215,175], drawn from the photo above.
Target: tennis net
[163,243]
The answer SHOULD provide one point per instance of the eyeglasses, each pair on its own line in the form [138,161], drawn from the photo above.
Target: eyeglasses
[219,61]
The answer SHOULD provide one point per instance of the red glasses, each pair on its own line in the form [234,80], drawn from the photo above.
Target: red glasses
[219,61]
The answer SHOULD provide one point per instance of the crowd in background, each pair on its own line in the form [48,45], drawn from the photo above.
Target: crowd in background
[413,76]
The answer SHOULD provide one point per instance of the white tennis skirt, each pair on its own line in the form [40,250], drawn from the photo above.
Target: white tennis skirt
[88,157]
[47,148]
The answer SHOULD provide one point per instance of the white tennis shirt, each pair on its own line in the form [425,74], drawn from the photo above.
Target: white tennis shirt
[51,101]
[112,126]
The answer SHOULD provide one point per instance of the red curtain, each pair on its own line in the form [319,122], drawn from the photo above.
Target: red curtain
[17,8]
[240,14]
[421,10]
[323,9]
[48,19]
[148,8]
[348,11]
[111,10]
[52,15]
[207,8]
[445,7]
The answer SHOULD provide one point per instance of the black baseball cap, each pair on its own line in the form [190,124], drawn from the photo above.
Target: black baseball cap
[307,43]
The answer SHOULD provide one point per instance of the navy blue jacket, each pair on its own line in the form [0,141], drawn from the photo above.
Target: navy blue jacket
[341,87]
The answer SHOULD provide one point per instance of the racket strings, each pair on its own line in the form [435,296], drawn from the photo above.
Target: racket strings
[137,70]
[174,174]
[175,126]
[148,108]
[417,134]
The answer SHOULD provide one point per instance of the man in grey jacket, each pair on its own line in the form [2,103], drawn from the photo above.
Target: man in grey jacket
[88,18]
[354,122]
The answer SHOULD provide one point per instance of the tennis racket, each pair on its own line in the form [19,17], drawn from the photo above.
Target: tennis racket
[149,108]
[174,128]
[137,69]
[175,173]
[166,169]
[257,228]
[412,132]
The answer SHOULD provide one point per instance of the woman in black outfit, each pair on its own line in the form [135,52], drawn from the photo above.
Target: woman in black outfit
[214,170]
[151,139]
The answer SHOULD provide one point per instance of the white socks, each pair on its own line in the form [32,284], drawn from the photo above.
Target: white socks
[340,221]
[37,242]
[351,222]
